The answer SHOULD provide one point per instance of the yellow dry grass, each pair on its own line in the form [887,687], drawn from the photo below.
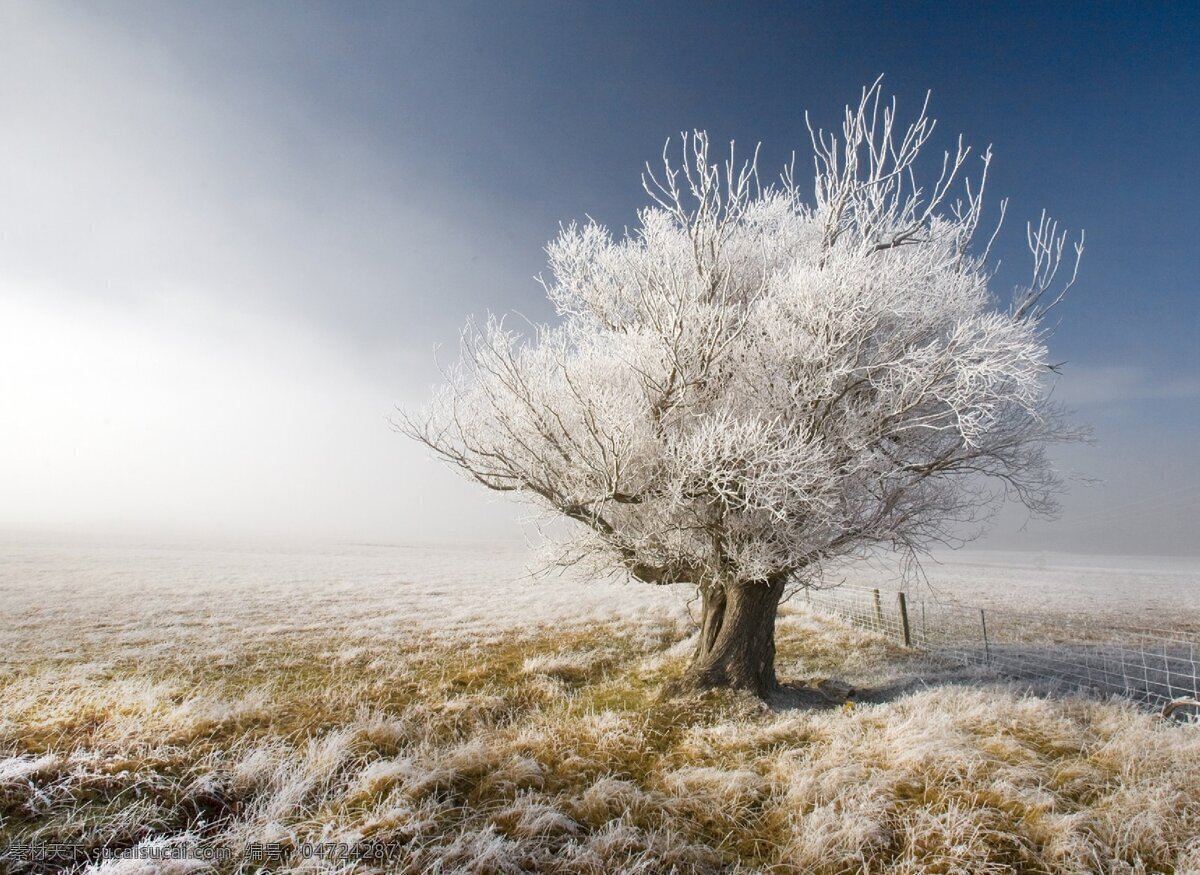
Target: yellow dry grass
[547,749]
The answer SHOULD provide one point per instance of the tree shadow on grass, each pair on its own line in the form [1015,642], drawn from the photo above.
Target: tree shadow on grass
[1149,679]
[833,693]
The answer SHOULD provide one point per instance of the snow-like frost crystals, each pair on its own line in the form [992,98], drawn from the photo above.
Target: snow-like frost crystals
[745,384]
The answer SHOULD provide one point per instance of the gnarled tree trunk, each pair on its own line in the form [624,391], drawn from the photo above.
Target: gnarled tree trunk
[736,649]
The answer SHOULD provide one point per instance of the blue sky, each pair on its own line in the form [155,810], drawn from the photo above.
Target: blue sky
[230,234]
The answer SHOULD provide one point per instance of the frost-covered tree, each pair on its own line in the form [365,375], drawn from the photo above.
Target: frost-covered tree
[750,383]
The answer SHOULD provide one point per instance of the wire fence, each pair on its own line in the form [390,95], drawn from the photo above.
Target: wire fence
[1155,667]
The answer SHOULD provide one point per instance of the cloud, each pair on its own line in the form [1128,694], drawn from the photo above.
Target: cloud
[198,421]
[130,175]
[1100,385]
[210,301]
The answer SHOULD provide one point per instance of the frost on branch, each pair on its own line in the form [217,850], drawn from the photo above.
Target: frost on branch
[750,383]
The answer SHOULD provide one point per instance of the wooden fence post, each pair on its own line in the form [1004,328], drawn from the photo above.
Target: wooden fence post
[987,650]
[878,611]
[904,620]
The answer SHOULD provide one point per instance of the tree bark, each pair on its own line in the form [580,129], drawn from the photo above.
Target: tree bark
[736,649]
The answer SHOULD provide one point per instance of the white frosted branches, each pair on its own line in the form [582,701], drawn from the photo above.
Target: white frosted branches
[747,384]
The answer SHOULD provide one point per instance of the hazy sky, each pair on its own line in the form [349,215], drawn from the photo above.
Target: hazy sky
[231,234]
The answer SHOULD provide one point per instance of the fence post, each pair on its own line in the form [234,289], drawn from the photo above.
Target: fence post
[904,620]
[878,611]
[987,651]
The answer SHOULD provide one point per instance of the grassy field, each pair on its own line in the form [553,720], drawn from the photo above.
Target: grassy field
[318,724]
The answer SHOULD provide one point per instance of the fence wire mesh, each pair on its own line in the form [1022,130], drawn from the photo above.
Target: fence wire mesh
[1153,667]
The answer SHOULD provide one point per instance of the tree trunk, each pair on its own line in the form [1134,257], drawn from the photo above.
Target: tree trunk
[736,649]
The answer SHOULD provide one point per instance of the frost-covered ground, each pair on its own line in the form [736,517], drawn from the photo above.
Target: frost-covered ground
[433,704]
[129,593]
[90,598]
